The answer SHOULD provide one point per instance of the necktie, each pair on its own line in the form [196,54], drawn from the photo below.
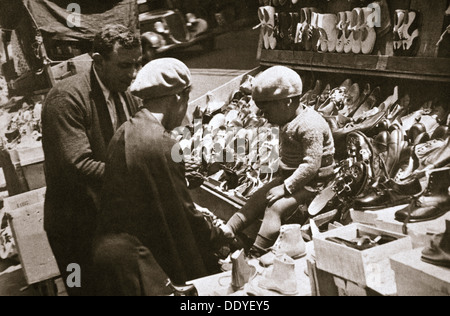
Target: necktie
[121,116]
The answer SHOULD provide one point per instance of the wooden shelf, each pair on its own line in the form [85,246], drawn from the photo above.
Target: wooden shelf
[417,68]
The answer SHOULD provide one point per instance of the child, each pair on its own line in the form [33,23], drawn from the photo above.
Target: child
[306,157]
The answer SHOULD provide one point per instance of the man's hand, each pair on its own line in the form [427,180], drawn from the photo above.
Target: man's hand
[276,193]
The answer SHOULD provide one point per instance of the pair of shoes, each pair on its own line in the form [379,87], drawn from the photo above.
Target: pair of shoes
[305,29]
[433,202]
[289,242]
[438,252]
[266,15]
[281,279]
[406,32]
[356,31]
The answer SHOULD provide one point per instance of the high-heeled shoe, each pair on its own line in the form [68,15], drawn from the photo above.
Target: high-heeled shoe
[399,20]
[410,33]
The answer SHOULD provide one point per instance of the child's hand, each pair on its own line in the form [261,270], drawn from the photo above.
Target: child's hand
[275,194]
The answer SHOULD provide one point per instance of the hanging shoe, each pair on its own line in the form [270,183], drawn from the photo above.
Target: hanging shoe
[438,252]
[410,33]
[327,26]
[348,33]
[315,38]
[368,33]
[432,203]
[355,26]
[271,26]
[241,272]
[285,25]
[399,20]
[282,279]
[263,25]
[289,242]
[341,27]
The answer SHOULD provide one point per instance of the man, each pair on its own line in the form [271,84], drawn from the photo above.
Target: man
[149,228]
[79,118]
[306,157]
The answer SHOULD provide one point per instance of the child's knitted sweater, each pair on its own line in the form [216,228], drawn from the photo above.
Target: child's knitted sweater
[304,142]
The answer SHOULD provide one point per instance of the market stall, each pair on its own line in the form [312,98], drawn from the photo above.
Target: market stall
[377,72]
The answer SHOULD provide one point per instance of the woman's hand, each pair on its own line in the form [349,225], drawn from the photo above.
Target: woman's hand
[276,193]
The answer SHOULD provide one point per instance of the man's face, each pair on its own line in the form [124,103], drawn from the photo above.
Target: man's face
[120,69]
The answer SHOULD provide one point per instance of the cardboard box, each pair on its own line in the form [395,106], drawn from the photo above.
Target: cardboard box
[32,163]
[417,278]
[367,268]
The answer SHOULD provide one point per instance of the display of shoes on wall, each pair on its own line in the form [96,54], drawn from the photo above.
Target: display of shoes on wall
[406,32]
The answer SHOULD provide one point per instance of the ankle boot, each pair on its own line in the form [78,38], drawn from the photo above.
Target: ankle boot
[432,203]
[438,252]
[241,272]
[289,242]
[368,33]
[282,279]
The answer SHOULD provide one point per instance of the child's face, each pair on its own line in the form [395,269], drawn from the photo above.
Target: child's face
[276,112]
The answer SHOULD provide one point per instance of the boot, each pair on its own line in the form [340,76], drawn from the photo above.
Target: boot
[283,278]
[431,203]
[387,194]
[241,272]
[438,252]
[289,242]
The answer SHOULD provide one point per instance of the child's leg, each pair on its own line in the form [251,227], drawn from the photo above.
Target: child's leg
[253,209]
[271,224]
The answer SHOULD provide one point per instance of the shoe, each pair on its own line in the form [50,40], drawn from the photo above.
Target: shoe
[315,38]
[295,17]
[442,132]
[351,102]
[285,27]
[399,20]
[348,33]
[266,17]
[341,26]
[438,252]
[364,94]
[282,279]
[323,96]
[356,25]
[241,272]
[289,242]
[310,97]
[409,33]
[326,25]
[433,202]
[368,33]
[387,193]
[368,104]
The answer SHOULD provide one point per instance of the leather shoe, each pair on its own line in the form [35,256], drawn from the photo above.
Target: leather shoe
[387,194]
[438,252]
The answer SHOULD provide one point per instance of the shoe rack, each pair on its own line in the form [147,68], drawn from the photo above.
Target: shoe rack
[423,64]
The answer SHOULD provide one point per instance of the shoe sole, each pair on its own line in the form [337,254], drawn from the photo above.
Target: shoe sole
[380,207]
[438,263]
[419,220]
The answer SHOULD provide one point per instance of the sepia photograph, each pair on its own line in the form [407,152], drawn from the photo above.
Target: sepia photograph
[229,155]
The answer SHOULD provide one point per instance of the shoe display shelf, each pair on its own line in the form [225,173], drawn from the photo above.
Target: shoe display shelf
[381,62]
[417,278]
